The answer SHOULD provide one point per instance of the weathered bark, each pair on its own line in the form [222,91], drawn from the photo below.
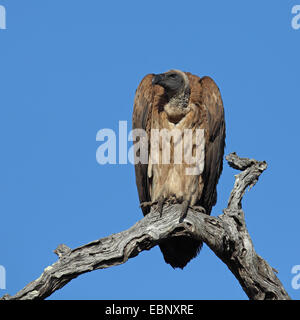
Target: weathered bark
[226,235]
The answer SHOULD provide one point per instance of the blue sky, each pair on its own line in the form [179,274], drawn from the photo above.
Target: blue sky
[70,68]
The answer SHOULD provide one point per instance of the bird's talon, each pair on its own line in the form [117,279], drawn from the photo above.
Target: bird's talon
[160,206]
[146,204]
[184,210]
[199,209]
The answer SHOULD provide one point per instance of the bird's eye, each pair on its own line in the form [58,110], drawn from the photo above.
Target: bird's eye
[173,75]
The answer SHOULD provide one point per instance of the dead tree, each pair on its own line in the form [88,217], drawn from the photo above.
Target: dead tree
[226,235]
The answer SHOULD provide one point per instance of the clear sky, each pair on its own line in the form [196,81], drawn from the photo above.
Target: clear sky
[70,68]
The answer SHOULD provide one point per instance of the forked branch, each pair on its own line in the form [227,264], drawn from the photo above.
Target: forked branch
[226,235]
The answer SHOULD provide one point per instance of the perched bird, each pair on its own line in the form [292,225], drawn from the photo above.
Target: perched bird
[179,100]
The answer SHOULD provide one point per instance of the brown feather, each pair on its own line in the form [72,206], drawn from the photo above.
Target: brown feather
[205,112]
[143,103]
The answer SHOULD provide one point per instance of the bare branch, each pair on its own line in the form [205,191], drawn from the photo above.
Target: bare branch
[252,169]
[226,235]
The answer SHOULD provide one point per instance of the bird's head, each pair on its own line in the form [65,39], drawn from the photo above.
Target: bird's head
[174,82]
[177,90]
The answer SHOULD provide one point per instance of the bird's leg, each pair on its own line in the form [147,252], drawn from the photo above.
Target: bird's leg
[184,209]
[160,205]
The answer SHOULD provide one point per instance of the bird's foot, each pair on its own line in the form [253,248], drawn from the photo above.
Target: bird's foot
[159,203]
[198,209]
[147,204]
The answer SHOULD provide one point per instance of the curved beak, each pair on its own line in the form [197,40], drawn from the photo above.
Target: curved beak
[158,78]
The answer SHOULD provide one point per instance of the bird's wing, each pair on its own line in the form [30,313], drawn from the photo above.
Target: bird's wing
[206,94]
[141,119]
[211,99]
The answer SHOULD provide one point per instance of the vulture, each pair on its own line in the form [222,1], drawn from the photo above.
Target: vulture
[179,100]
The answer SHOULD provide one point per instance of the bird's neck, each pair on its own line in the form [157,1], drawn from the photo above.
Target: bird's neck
[178,106]
[180,99]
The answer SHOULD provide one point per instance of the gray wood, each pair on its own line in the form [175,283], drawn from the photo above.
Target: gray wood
[226,235]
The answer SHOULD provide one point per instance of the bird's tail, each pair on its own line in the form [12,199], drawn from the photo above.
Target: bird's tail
[180,250]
